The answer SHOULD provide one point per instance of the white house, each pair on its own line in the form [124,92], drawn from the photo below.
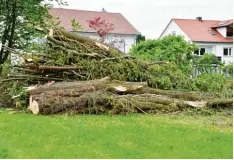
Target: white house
[124,34]
[212,36]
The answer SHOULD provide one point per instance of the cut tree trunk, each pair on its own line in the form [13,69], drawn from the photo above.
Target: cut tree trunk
[220,102]
[113,97]
[99,84]
[68,85]
[190,96]
[106,103]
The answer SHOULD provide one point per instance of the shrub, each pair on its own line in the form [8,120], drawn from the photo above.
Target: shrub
[169,76]
[205,63]
[215,83]
[228,69]
[171,48]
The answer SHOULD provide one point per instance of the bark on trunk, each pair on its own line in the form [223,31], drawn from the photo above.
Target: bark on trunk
[98,102]
[69,85]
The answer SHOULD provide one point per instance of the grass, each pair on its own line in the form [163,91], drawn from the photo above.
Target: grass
[132,136]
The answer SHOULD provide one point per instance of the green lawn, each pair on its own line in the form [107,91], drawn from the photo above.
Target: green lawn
[132,136]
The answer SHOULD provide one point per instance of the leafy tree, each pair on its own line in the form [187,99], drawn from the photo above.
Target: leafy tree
[172,48]
[101,26]
[21,21]
[140,38]
[103,29]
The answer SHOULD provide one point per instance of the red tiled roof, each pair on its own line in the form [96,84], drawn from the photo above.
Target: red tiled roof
[121,25]
[199,30]
[223,23]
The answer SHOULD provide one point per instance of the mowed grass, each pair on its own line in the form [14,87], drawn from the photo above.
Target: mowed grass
[131,136]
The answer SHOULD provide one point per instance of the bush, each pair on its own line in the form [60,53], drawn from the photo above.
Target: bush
[228,69]
[171,48]
[169,76]
[205,63]
[215,83]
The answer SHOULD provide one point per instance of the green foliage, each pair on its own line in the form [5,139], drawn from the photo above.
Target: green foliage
[169,76]
[11,89]
[215,83]
[15,89]
[175,75]
[6,68]
[76,26]
[228,69]
[206,62]
[171,48]
[34,47]
[140,38]
[208,59]
[21,22]
[125,70]
[13,94]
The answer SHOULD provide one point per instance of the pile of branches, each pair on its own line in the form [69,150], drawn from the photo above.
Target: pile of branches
[106,96]
[67,77]
[71,57]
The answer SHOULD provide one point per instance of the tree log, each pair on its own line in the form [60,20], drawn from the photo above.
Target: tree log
[190,96]
[84,39]
[79,88]
[72,36]
[69,85]
[106,102]
[220,102]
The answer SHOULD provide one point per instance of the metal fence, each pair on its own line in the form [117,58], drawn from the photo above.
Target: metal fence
[200,69]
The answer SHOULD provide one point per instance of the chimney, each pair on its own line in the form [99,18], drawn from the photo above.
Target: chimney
[103,10]
[199,18]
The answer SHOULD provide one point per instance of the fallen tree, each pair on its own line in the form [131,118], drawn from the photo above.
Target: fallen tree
[68,78]
[109,97]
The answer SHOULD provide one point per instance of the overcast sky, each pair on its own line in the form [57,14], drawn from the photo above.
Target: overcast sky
[150,17]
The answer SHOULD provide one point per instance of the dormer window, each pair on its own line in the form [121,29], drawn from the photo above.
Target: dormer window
[229,31]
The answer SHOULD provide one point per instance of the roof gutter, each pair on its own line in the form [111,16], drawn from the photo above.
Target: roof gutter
[210,42]
[109,33]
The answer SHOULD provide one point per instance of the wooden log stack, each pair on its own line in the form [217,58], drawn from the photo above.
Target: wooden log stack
[106,96]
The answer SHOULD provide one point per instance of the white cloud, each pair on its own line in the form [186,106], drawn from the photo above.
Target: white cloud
[150,17]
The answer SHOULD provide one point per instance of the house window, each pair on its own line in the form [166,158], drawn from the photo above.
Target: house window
[202,50]
[173,32]
[227,51]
